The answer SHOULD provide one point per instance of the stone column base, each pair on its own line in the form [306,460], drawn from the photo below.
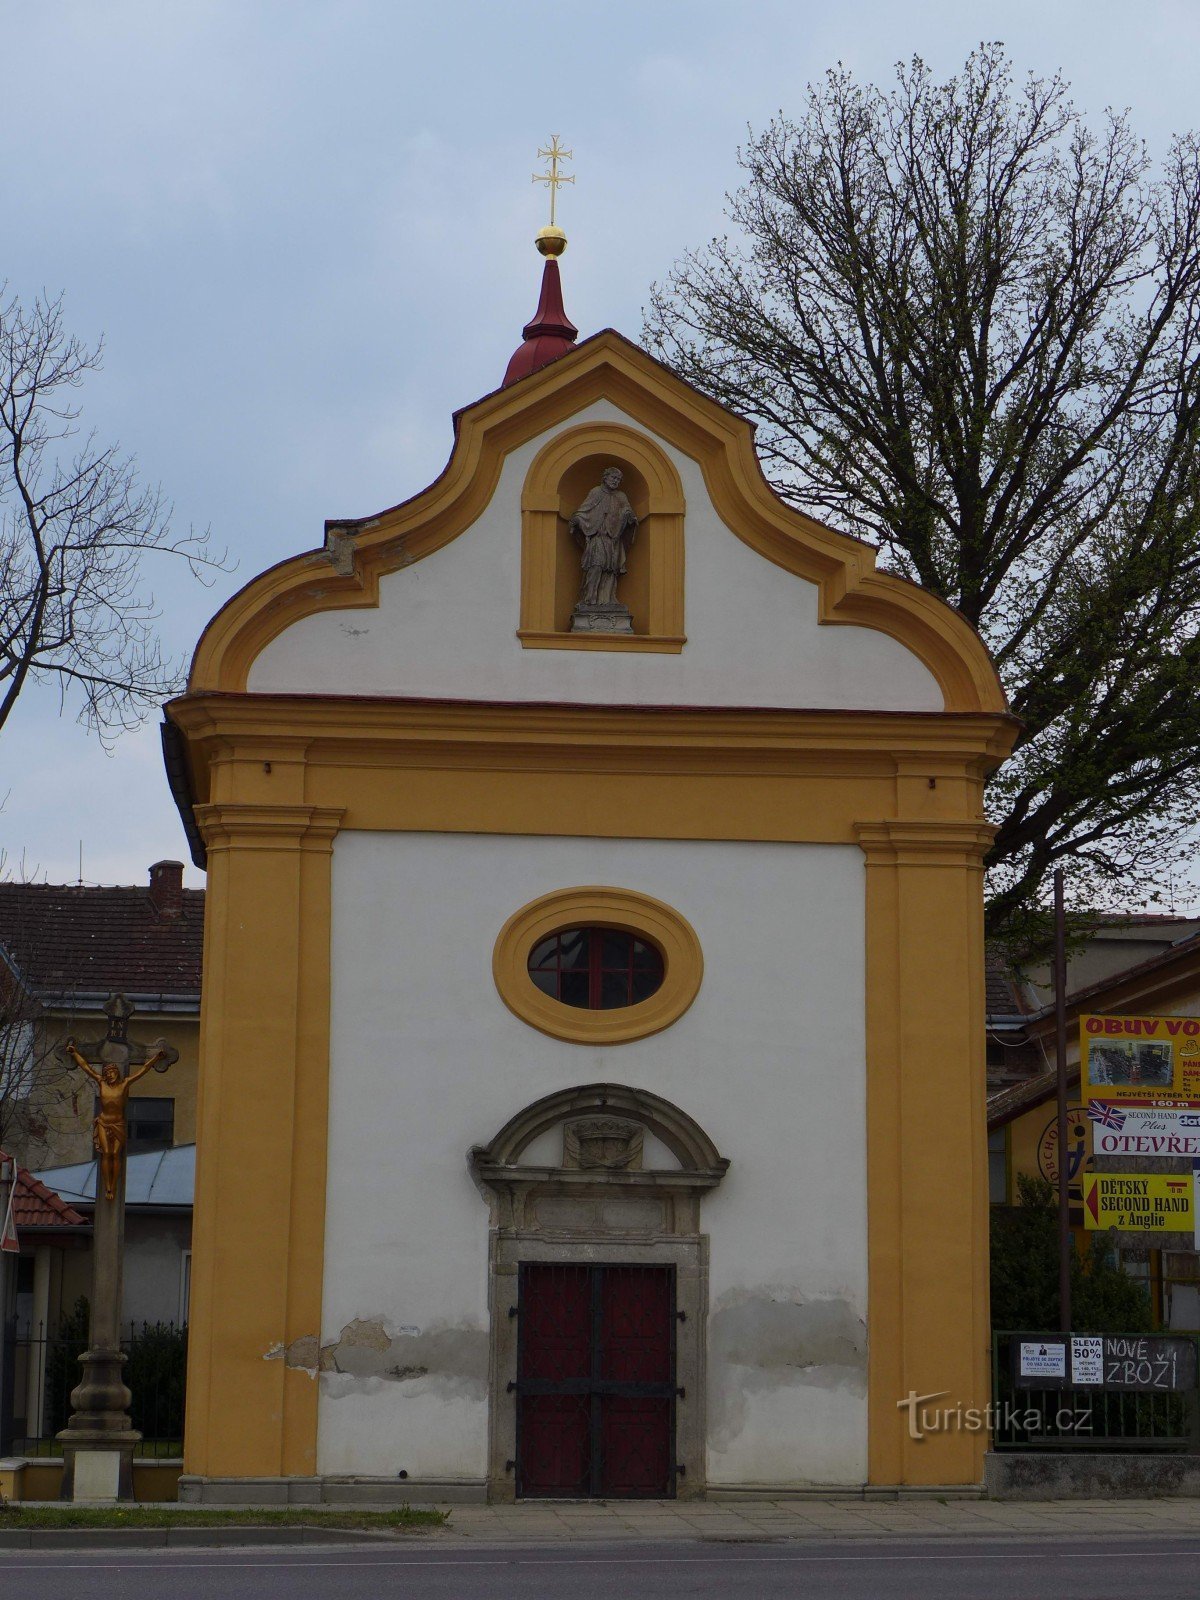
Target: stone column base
[97,1467]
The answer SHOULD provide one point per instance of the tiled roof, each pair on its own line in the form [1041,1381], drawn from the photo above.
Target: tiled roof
[36,1206]
[1006,1104]
[66,939]
[1003,997]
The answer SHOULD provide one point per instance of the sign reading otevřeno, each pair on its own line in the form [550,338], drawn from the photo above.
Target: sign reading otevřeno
[1141,1061]
[1123,1129]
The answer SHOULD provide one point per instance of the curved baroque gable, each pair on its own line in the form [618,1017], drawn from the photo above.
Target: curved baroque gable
[624,386]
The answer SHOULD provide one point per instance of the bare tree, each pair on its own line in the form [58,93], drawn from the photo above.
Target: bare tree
[968,325]
[38,1099]
[75,525]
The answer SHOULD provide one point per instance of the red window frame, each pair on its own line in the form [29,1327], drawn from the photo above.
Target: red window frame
[641,960]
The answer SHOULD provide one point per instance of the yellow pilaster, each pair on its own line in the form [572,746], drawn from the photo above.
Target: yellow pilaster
[926,1144]
[260,1185]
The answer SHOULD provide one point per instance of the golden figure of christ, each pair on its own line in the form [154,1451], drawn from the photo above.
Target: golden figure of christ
[110,1133]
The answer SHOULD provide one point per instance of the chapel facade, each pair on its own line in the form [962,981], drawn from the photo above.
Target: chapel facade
[592,1081]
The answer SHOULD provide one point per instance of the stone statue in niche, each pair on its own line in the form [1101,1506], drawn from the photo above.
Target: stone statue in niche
[604,527]
[605,1142]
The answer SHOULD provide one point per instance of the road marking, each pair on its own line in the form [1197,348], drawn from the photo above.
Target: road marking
[389,1557]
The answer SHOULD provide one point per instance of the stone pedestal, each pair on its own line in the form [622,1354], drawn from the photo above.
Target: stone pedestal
[99,1470]
[612,618]
[98,1441]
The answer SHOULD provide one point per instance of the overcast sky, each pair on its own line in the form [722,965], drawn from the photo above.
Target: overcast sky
[304,231]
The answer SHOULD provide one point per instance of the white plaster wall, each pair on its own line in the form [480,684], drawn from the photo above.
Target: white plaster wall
[154,1248]
[426,1061]
[446,626]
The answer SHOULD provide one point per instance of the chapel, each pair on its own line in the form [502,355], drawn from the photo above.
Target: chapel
[591,1067]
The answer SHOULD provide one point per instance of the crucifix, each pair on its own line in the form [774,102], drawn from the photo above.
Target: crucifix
[98,1440]
[553,153]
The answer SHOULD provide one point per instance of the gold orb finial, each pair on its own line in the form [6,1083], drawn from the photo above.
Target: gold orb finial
[550,240]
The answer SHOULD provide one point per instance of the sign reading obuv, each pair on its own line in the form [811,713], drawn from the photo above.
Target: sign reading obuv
[1140,1060]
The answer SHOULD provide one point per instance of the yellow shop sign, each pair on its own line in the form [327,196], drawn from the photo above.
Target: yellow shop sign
[1140,1059]
[1151,1202]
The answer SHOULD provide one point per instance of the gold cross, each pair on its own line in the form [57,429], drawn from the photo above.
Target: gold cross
[553,154]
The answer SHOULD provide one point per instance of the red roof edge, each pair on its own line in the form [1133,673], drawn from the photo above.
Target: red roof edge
[36,1206]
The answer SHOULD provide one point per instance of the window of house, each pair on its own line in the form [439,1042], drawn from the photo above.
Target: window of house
[150,1120]
[998,1167]
[598,969]
[16,1061]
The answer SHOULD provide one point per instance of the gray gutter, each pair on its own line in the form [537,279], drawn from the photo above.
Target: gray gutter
[147,1003]
[175,760]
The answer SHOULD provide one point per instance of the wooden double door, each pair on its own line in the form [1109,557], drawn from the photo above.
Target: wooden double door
[595,1381]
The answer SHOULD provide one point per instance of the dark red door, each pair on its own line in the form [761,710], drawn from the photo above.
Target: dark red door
[595,1381]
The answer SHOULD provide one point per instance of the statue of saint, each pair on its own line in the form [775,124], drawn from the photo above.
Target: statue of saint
[109,1132]
[605,526]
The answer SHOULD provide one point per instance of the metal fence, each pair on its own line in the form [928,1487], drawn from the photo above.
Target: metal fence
[1086,1418]
[43,1368]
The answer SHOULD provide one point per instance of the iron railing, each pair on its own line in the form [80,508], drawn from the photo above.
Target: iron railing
[42,1369]
[1087,1418]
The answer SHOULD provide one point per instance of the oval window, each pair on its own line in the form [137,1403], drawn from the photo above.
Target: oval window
[597,969]
[597,964]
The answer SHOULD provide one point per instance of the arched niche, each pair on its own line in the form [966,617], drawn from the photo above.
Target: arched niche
[562,474]
[598,1203]
[682,1135]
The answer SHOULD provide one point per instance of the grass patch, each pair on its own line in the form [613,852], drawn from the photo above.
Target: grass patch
[67,1516]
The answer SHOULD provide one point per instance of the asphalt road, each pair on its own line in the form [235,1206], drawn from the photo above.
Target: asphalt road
[1006,1569]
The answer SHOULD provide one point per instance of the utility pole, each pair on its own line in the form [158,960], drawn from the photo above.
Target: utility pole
[1060,1052]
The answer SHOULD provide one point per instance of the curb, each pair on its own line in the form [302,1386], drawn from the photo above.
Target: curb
[179,1536]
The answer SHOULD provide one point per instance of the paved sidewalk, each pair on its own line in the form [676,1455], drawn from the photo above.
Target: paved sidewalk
[757,1520]
[657,1521]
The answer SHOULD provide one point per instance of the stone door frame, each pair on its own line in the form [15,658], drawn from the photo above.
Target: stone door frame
[598,1216]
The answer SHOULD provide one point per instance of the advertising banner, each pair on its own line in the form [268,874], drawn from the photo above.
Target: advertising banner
[1132,1128]
[1140,1060]
[1145,1202]
[1142,1363]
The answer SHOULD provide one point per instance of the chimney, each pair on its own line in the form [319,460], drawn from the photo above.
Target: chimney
[166,887]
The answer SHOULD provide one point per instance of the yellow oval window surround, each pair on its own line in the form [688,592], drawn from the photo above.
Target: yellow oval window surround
[598,907]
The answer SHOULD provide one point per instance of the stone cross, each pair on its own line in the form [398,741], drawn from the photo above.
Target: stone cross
[98,1440]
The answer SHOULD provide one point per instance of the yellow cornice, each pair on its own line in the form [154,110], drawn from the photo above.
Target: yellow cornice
[606,367]
[478,733]
[268,827]
[932,843]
